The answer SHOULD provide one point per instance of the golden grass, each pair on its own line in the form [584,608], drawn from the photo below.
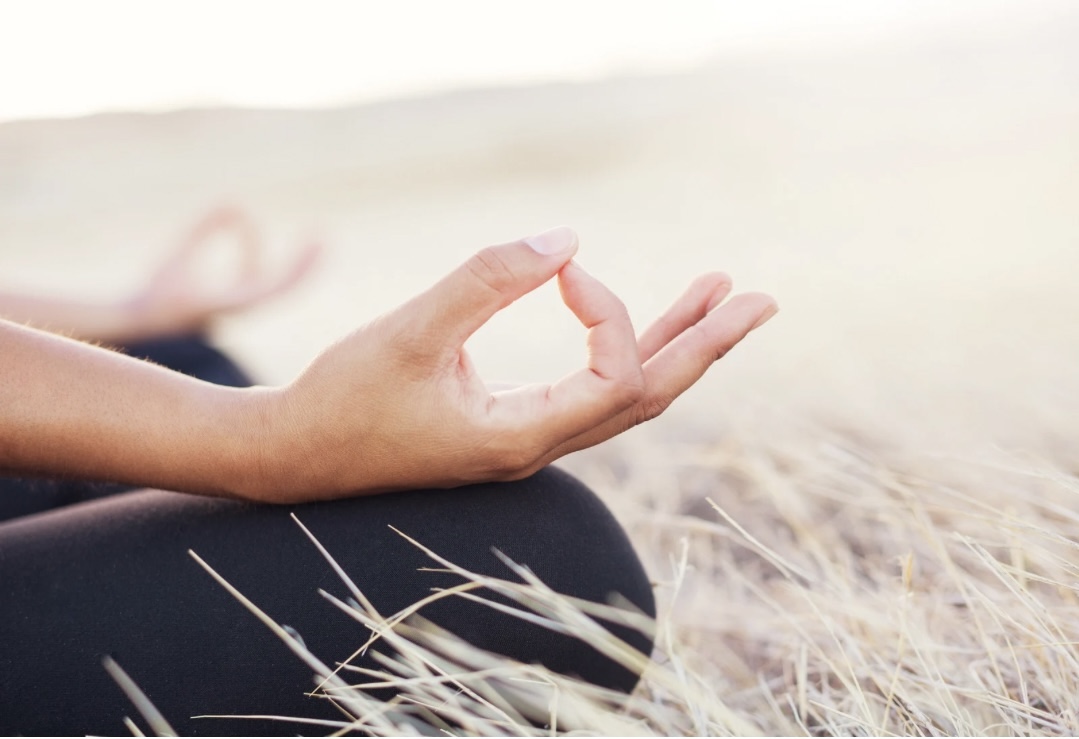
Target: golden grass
[824,589]
[840,591]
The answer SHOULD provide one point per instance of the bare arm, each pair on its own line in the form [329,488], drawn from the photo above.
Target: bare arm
[97,321]
[172,300]
[74,410]
[395,405]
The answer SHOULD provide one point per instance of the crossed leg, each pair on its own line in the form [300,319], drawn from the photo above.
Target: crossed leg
[111,576]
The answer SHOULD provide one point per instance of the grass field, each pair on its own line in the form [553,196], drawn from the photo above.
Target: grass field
[822,587]
[866,519]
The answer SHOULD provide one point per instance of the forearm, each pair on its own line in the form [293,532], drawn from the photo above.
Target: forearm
[75,410]
[395,405]
[118,321]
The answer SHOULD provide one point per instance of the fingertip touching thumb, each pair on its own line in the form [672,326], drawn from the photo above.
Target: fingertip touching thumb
[490,280]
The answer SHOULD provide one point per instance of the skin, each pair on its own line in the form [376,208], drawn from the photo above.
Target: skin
[395,405]
[171,300]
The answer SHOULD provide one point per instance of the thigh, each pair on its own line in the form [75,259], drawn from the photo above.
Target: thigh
[113,577]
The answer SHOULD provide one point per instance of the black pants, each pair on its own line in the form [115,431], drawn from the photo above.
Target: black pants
[91,570]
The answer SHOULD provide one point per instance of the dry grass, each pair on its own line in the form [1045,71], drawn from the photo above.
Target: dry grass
[835,590]
[821,589]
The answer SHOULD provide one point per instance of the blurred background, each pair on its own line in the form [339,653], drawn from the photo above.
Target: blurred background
[902,176]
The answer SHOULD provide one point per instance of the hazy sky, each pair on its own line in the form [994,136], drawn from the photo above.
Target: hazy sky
[70,58]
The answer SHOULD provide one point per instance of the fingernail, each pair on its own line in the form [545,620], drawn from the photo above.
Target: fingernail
[771,311]
[555,241]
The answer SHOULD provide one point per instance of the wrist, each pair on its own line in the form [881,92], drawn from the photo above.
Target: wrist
[275,456]
[294,451]
[251,460]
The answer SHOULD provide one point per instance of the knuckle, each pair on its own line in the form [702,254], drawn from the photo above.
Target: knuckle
[609,308]
[716,346]
[628,389]
[651,408]
[491,270]
[618,308]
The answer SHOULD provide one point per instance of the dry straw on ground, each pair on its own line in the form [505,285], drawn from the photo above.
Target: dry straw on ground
[832,592]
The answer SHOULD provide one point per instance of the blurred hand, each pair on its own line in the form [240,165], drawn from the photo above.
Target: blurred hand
[398,404]
[175,300]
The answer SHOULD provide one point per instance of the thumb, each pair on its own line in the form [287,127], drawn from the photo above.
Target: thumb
[465,299]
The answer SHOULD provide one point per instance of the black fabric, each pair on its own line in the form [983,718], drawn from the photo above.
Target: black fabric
[112,576]
[191,355]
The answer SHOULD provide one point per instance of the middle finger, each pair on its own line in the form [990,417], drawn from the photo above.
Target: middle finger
[704,294]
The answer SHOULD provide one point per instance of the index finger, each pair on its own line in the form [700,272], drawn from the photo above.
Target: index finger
[612,381]
[679,365]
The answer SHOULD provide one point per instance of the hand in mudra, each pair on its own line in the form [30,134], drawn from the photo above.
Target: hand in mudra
[175,298]
[398,405]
